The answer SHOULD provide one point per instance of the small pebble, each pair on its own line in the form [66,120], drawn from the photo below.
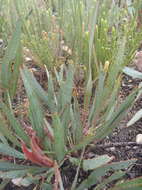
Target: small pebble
[139,139]
[112,149]
[28,59]
[91,155]
[1,43]
[135,147]
[17,181]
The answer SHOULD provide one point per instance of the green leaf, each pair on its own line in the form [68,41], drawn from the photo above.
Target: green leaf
[34,85]
[134,184]
[77,128]
[7,132]
[98,173]
[7,150]
[98,100]
[112,102]
[66,87]
[7,166]
[46,186]
[14,123]
[83,142]
[4,183]
[88,91]
[52,101]
[74,161]
[10,55]
[59,75]
[36,116]
[26,181]
[116,117]
[135,118]
[107,127]
[116,67]
[93,24]
[96,162]
[13,174]
[36,113]
[49,98]
[59,136]
[15,72]
[3,139]
[47,141]
[65,120]
[132,73]
[114,176]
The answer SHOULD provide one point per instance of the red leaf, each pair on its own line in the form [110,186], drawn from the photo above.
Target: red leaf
[38,153]
[35,144]
[29,155]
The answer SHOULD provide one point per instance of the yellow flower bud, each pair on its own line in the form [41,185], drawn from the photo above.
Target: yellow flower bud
[106,66]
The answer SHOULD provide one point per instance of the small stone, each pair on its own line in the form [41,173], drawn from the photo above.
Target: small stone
[28,59]
[21,182]
[139,139]
[1,43]
[91,155]
[112,149]
[135,147]
[17,181]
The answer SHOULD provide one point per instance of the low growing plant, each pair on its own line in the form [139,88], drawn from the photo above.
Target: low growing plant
[60,130]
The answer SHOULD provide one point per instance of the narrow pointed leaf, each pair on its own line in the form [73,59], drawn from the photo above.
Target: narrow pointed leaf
[14,123]
[116,117]
[15,72]
[10,55]
[96,162]
[34,85]
[114,176]
[65,120]
[4,183]
[135,118]
[134,184]
[36,113]
[77,128]
[13,174]
[132,73]
[107,128]
[3,139]
[94,177]
[7,150]
[7,166]
[59,136]
[66,87]
[8,133]
[52,102]
[88,91]
[98,99]
[117,67]
[92,32]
